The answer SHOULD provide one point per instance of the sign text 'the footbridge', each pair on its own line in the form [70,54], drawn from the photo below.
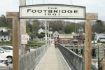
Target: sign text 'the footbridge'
[53,11]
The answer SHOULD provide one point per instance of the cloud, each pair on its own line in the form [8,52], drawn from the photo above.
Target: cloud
[96,6]
[8,5]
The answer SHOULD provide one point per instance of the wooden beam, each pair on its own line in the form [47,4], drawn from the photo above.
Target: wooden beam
[88,46]
[103,64]
[15,38]
[91,16]
[88,37]
[15,43]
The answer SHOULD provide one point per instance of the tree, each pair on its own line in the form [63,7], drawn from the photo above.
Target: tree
[28,28]
[72,27]
[57,25]
[41,35]
[4,22]
[35,27]
[32,28]
[99,27]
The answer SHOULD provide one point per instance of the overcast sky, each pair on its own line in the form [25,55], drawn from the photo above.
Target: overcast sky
[94,6]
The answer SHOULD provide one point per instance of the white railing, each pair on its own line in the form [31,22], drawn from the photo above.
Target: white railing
[75,61]
[31,59]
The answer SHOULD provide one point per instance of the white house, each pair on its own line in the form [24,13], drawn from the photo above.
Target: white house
[100,37]
[55,34]
[4,34]
[3,29]
[40,31]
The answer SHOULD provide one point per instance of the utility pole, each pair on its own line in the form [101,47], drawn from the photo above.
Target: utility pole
[45,31]
[22,28]
[22,2]
[98,59]
[103,61]
[48,33]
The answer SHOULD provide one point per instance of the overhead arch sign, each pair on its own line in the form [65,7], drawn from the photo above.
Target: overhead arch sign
[52,11]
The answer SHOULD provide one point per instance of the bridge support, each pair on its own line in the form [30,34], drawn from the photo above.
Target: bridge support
[88,46]
[15,43]
[103,66]
[88,37]
[15,37]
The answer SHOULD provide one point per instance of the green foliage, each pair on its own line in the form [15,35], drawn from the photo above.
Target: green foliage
[69,28]
[57,25]
[28,28]
[32,28]
[35,43]
[35,26]
[41,35]
[5,43]
[4,22]
[99,27]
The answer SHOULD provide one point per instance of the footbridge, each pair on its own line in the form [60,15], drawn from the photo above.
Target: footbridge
[51,58]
